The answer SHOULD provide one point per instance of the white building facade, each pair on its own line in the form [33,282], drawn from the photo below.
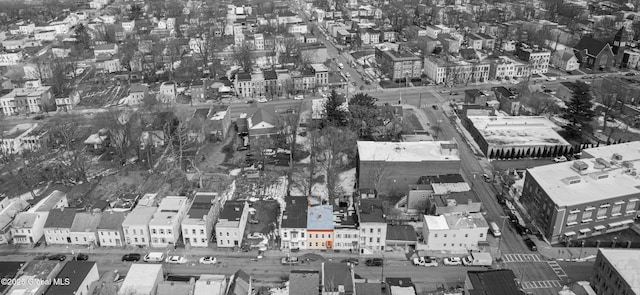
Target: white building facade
[164,226]
[454,232]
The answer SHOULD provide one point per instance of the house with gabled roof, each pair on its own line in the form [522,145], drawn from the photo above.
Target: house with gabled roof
[110,229]
[58,226]
[9,209]
[594,54]
[262,122]
[565,60]
[28,227]
[239,284]
[84,228]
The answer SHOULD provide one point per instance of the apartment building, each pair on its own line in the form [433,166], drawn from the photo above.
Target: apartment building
[231,224]
[588,197]
[26,136]
[461,71]
[398,64]
[9,209]
[28,227]
[454,231]
[616,272]
[197,226]
[136,226]
[538,58]
[321,73]
[373,226]
[293,227]
[85,228]
[164,226]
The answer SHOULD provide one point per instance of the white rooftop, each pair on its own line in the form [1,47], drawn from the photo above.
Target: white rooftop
[518,131]
[141,279]
[408,151]
[436,222]
[210,285]
[627,264]
[628,151]
[566,186]
[172,203]
[445,188]
[471,220]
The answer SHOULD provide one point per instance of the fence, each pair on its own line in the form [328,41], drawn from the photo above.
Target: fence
[604,244]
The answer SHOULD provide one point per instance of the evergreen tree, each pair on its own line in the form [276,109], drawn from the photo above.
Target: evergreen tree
[579,112]
[334,114]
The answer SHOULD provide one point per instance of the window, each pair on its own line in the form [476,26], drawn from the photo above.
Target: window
[302,235]
[615,210]
[466,235]
[141,239]
[227,234]
[102,233]
[602,213]
[379,231]
[285,234]
[481,235]
[162,231]
[337,236]
[370,240]
[328,236]
[445,235]
[371,230]
[136,240]
[153,231]
[76,239]
[168,231]
[204,241]
[193,231]
[316,244]
[435,235]
[378,240]
[586,216]
[202,231]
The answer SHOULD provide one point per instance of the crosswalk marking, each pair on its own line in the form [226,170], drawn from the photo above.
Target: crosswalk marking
[522,258]
[557,269]
[541,284]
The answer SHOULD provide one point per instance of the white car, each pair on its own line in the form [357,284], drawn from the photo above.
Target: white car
[208,260]
[255,236]
[262,100]
[347,74]
[452,261]
[560,159]
[299,97]
[176,260]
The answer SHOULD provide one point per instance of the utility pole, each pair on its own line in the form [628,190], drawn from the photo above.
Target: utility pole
[420,101]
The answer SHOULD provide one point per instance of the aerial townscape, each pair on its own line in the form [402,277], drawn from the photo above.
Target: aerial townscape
[319,147]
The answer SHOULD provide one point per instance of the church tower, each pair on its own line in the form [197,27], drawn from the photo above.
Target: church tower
[620,41]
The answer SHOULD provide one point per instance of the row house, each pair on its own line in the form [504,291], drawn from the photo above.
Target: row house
[320,227]
[109,230]
[505,68]
[164,226]
[441,71]
[57,229]
[25,100]
[66,101]
[369,37]
[10,58]
[108,63]
[197,226]
[231,224]
[136,226]
[346,232]
[373,226]
[84,228]
[272,83]
[293,226]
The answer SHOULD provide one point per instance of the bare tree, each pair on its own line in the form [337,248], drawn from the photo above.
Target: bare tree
[124,128]
[243,56]
[609,101]
[71,157]
[337,145]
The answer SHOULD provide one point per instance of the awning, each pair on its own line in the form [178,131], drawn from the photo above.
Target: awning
[571,233]
[615,224]
[626,221]
[619,203]
[634,200]
[584,230]
[599,227]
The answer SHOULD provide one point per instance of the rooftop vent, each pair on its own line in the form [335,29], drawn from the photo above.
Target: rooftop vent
[602,162]
[616,157]
[571,180]
[627,164]
[580,166]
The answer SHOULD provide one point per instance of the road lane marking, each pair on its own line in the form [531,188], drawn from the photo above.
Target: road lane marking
[557,269]
[522,258]
[541,284]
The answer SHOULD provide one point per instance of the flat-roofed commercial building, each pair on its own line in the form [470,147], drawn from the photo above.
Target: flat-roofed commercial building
[390,167]
[516,137]
[454,231]
[587,197]
[616,272]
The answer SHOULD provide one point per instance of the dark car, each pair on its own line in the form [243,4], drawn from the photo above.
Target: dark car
[530,244]
[38,117]
[59,257]
[131,257]
[353,261]
[374,262]
[630,74]
[242,148]
[81,257]
[522,230]
[435,107]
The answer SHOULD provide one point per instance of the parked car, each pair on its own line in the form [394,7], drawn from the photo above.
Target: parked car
[486,178]
[298,97]
[560,159]
[242,148]
[630,74]
[289,260]
[253,221]
[81,257]
[255,235]
[131,257]
[208,260]
[425,261]
[435,107]
[59,257]
[452,261]
[38,117]
[530,244]
[340,65]
[262,100]
[353,261]
[176,260]
[374,262]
